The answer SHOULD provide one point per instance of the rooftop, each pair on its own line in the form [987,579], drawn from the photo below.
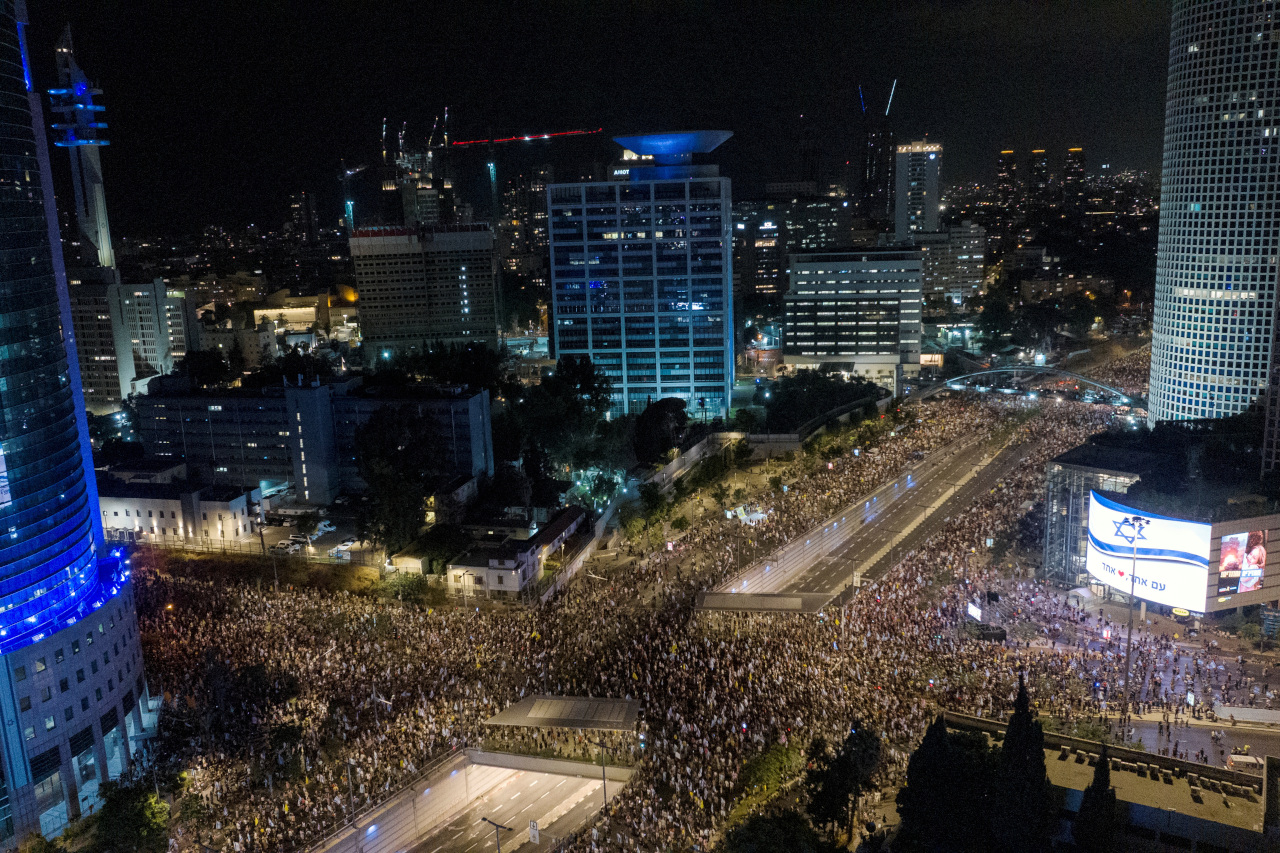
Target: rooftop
[676,147]
[570,712]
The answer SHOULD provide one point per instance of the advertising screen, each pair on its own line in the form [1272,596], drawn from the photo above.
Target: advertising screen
[1172,555]
[1240,566]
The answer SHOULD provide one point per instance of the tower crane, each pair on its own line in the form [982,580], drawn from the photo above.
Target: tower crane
[492,162]
[348,203]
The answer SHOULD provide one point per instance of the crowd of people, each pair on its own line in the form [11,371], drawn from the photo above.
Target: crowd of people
[292,709]
[1129,373]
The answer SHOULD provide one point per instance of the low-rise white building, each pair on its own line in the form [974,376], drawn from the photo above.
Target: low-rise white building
[175,513]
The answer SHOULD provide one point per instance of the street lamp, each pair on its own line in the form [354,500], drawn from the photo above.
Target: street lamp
[1135,523]
[497,831]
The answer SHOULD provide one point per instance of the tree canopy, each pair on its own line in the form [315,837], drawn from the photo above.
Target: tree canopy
[398,458]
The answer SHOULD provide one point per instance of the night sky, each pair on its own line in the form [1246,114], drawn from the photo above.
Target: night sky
[218,111]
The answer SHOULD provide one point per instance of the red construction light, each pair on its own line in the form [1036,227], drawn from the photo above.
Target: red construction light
[531,138]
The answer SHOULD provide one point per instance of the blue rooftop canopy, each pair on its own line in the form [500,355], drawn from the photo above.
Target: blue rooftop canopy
[669,149]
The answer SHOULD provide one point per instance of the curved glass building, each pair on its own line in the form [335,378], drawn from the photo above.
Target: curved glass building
[71,686]
[1219,239]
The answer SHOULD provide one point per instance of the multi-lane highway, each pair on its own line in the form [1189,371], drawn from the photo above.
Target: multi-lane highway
[857,544]
[560,805]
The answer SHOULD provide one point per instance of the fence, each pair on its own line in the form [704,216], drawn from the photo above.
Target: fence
[249,548]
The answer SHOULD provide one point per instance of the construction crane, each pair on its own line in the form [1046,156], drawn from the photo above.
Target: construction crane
[492,162]
[348,203]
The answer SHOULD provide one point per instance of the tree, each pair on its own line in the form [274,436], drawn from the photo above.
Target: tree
[398,456]
[1024,782]
[131,819]
[949,797]
[835,779]
[787,832]
[720,494]
[653,503]
[204,368]
[1096,826]
[658,428]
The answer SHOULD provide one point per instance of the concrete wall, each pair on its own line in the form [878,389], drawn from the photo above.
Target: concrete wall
[417,810]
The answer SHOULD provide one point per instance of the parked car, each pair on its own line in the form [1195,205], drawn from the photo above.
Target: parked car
[347,543]
[300,538]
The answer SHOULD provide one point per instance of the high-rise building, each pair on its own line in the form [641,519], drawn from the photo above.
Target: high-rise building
[1215,297]
[858,311]
[917,197]
[81,121]
[302,217]
[65,601]
[1039,187]
[1073,179]
[420,287]
[1006,180]
[642,274]
[952,261]
[878,159]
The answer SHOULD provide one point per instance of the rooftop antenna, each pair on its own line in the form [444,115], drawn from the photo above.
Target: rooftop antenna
[862,100]
[892,89]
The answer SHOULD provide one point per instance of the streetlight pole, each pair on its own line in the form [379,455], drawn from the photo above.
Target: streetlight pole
[497,831]
[1136,523]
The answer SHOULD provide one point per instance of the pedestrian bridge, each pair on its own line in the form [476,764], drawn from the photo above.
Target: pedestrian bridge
[1025,371]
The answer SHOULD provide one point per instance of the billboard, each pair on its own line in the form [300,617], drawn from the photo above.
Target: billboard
[1171,555]
[1242,559]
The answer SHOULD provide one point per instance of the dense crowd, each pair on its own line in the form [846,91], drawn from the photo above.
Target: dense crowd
[290,709]
[1129,373]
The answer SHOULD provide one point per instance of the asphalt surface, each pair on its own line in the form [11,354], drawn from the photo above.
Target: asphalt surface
[560,804]
[887,515]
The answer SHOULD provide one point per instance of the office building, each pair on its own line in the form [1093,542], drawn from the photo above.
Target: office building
[66,603]
[305,436]
[1039,188]
[917,197]
[1212,335]
[879,155]
[952,262]
[302,217]
[126,334]
[422,287]
[1073,191]
[642,272]
[857,311]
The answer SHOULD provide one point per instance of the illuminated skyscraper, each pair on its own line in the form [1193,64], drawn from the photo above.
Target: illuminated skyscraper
[1216,263]
[1073,179]
[642,272]
[917,198]
[64,603]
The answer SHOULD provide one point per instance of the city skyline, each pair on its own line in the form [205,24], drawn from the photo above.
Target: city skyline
[282,101]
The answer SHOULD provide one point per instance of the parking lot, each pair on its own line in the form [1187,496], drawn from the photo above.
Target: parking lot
[339,542]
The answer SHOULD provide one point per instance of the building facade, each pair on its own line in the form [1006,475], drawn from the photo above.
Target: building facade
[172,513]
[72,690]
[302,435]
[917,197]
[857,311]
[642,274]
[420,287]
[1216,266]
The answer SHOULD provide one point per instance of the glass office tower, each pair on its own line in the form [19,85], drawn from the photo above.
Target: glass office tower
[1219,236]
[71,685]
[642,274]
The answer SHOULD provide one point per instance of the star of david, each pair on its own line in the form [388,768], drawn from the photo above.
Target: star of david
[1128,537]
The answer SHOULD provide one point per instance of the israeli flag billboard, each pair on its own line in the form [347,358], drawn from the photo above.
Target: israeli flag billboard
[1172,554]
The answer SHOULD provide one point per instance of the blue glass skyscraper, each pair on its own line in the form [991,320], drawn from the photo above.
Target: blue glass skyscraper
[66,616]
[642,274]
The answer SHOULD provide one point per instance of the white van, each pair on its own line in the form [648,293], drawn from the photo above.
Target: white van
[1250,764]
